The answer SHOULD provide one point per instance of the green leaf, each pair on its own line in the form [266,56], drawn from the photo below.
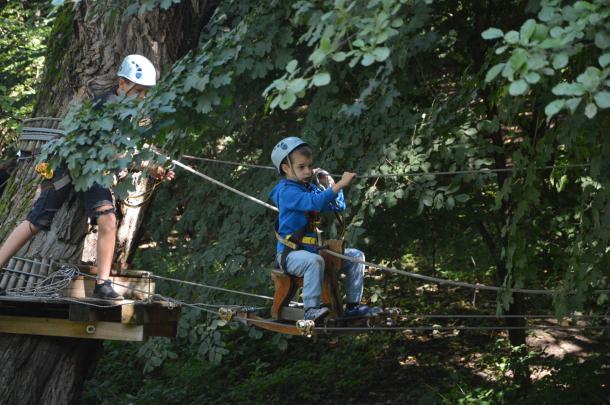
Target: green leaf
[450,203]
[291,66]
[339,56]
[602,99]
[591,110]
[367,59]
[325,44]
[511,37]
[573,103]
[569,89]
[296,85]
[321,79]
[591,78]
[546,14]
[560,60]
[501,49]
[532,77]
[381,53]
[518,58]
[604,60]
[106,124]
[526,31]
[518,88]
[287,100]
[602,40]
[493,72]
[554,107]
[492,33]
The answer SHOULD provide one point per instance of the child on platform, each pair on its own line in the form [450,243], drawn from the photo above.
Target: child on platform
[299,201]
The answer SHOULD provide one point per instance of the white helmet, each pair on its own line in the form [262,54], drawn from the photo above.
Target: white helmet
[139,70]
[283,149]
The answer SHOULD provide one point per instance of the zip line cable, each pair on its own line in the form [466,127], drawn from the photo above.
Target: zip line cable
[442,281]
[211,287]
[218,183]
[381,175]
[379,267]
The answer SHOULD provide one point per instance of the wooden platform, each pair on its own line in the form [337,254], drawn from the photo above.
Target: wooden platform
[73,312]
[69,317]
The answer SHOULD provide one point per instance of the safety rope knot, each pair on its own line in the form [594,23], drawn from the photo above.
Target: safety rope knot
[226,314]
[306,327]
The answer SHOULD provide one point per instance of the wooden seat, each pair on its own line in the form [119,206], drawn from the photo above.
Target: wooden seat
[287,285]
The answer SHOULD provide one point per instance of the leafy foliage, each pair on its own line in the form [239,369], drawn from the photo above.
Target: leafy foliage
[23,29]
[544,47]
[377,87]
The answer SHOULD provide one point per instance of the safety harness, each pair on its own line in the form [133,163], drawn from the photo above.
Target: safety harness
[299,240]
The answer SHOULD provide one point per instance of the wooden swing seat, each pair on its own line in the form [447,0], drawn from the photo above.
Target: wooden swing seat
[286,287]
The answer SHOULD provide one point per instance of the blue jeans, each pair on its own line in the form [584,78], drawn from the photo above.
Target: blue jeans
[310,266]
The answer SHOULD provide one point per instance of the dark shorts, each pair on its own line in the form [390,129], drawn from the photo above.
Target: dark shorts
[51,200]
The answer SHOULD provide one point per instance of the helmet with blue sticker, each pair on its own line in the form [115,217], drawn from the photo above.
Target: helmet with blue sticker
[283,149]
[139,70]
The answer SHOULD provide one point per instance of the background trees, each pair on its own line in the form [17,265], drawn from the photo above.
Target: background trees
[378,87]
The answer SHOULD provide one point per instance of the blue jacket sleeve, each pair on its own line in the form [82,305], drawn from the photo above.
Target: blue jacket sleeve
[299,200]
[339,203]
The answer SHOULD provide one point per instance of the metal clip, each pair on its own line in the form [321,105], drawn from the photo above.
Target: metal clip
[305,327]
[225,314]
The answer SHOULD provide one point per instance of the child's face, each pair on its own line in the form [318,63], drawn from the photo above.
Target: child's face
[131,89]
[302,168]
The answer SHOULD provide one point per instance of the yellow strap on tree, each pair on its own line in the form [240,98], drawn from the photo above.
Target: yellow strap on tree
[44,170]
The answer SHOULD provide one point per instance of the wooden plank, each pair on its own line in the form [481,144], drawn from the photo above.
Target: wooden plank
[289,329]
[81,313]
[23,279]
[12,281]
[6,275]
[291,314]
[65,328]
[32,280]
[169,329]
[145,314]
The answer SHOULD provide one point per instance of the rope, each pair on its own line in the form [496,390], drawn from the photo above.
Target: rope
[218,183]
[49,285]
[380,267]
[487,316]
[228,162]
[448,282]
[451,328]
[381,175]
[146,195]
[174,280]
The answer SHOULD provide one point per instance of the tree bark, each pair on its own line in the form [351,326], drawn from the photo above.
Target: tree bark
[84,52]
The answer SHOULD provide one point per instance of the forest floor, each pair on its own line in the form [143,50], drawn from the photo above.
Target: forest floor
[432,367]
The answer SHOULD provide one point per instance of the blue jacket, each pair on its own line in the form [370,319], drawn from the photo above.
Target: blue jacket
[295,199]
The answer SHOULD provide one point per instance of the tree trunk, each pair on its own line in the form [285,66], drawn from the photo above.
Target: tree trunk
[83,55]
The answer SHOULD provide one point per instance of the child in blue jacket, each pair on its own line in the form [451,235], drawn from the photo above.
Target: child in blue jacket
[299,202]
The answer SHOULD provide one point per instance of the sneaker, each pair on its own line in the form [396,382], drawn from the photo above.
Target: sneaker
[315,313]
[106,292]
[362,311]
